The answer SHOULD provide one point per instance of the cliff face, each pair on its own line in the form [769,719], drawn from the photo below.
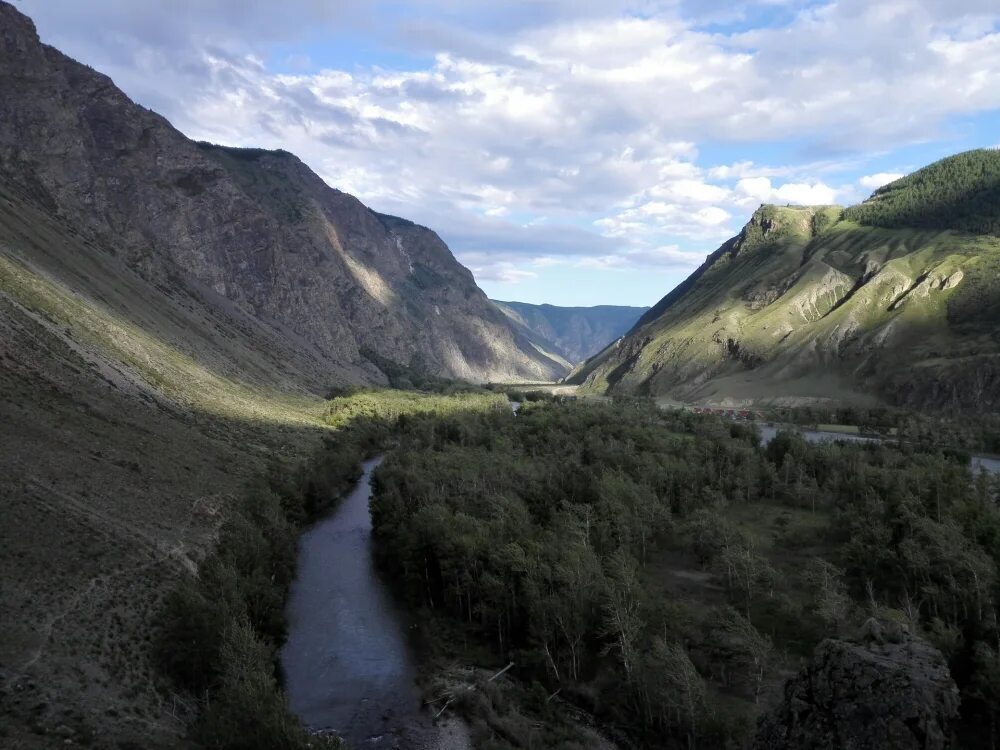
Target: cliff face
[808,304]
[243,228]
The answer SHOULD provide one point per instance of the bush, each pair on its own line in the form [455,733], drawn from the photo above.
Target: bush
[247,710]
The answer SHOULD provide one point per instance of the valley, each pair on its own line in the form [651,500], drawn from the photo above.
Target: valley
[573,333]
[278,473]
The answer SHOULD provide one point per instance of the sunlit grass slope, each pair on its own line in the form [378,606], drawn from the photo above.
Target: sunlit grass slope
[138,356]
[808,304]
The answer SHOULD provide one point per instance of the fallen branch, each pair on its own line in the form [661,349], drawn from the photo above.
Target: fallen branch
[501,672]
[438,714]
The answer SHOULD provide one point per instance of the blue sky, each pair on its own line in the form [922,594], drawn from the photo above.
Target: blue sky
[569,151]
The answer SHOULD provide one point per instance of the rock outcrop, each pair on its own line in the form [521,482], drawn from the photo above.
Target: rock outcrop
[875,694]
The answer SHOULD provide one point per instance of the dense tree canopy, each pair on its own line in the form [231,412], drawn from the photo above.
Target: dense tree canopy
[662,568]
[961,192]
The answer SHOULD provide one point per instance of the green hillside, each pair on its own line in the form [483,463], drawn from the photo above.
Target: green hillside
[817,303]
[961,192]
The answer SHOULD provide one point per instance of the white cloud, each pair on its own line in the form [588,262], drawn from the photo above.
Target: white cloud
[806,194]
[502,271]
[760,189]
[875,181]
[665,257]
[591,114]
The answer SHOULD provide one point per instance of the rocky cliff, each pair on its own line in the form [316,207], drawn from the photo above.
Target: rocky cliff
[821,303]
[242,229]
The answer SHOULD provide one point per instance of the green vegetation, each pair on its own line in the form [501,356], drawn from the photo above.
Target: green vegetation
[221,631]
[805,306]
[927,432]
[174,374]
[663,572]
[390,405]
[961,192]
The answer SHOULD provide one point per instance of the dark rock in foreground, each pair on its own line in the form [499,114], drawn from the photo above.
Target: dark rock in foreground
[873,694]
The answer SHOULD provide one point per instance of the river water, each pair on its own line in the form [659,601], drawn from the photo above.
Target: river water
[347,661]
[767,433]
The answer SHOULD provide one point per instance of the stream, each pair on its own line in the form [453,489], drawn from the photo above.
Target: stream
[347,662]
[988,464]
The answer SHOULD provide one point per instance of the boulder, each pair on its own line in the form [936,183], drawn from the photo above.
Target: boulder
[870,693]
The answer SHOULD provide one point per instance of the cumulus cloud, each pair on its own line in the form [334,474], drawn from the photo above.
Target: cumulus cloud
[875,181]
[760,190]
[669,257]
[489,269]
[592,114]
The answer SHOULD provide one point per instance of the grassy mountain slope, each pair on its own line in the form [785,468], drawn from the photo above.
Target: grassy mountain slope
[573,333]
[812,304]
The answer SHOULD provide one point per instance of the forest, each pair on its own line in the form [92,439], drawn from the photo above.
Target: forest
[665,573]
[928,431]
[657,575]
[961,192]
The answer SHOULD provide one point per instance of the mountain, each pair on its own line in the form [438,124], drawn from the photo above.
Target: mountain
[573,333]
[171,314]
[895,300]
[244,229]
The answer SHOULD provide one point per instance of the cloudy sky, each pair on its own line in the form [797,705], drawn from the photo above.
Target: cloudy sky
[569,151]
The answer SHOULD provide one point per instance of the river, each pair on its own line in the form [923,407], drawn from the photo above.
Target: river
[347,662]
[988,464]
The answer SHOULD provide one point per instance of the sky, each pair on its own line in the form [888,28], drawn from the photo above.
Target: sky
[575,152]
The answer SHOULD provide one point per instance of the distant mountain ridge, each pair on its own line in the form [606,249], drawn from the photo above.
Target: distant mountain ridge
[573,333]
[895,300]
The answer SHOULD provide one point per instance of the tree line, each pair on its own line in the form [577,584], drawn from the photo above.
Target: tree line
[961,192]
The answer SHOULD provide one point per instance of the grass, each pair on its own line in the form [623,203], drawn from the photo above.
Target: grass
[165,369]
[843,429]
[809,301]
[389,405]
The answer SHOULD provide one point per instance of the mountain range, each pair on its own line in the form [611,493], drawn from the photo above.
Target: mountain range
[895,300]
[242,232]
[571,333]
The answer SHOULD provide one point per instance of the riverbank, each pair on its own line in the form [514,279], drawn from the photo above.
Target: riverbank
[347,660]
[220,631]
